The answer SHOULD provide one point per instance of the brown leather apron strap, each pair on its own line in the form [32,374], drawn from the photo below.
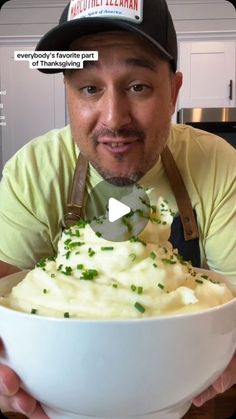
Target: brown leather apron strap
[181,195]
[75,204]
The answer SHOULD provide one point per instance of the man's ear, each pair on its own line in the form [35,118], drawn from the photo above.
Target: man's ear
[176,83]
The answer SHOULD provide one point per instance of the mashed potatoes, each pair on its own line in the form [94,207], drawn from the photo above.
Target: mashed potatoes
[92,278]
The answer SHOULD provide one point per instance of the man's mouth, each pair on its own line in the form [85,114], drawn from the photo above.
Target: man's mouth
[119,146]
[120,141]
[115,145]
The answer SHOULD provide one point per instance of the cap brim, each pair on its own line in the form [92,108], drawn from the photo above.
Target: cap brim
[60,37]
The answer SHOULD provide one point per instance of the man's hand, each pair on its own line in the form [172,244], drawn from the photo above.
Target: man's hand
[223,383]
[13,398]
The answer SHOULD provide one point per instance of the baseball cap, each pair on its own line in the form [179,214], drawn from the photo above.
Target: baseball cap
[149,18]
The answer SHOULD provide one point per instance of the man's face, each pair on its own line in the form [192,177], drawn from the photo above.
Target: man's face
[120,106]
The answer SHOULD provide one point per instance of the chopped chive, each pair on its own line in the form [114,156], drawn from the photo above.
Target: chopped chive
[152,207]
[180,259]
[72,245]
[137,240]
[168,261]
[33,311]
[153,255]
[133,287]
[155,220]
[80,266]
[67,271]
[91,252]
[53,275]
[45,291]
[115,285]
[127,224]
[155,265]
[161,286]
[51,258]
[140,290]
[199,281]
[67,231]
[66,314]
[89,274]
[82,223]
[107,248]
[132,256]
[193,273]
[214,282]
[41,263]
[139,307]
[98,234]
[204,276]
[68,254]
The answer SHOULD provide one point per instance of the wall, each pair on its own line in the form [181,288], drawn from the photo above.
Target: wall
[202,15]
[31,17]
[22,22]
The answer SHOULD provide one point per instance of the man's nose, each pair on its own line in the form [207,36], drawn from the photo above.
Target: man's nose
[115,110]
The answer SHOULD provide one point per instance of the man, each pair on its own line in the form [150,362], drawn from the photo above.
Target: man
[120,110]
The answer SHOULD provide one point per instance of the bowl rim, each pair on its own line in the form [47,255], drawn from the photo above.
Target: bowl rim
[159,318]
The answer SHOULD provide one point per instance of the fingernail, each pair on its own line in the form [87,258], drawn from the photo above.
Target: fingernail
[22,406]
[4,391]
[226,380]
[197,401]
[223,382]
[16,405]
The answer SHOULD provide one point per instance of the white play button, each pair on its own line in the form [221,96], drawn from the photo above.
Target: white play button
[117,213]
[116,209]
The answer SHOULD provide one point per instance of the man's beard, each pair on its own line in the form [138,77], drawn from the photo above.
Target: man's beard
[127,132]
[132,176]
[129,179]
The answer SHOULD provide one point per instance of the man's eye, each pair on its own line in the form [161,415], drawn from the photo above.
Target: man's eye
[89,90]
[137,88]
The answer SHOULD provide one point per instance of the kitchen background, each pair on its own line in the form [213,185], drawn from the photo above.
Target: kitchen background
[32,103]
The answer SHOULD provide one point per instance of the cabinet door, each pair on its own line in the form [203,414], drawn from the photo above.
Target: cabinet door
[209,74]
[34,102]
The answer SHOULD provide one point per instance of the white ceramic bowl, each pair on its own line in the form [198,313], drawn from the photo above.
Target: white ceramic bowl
[148,368]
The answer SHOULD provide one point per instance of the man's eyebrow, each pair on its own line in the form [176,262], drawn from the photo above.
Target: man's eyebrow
[130,62]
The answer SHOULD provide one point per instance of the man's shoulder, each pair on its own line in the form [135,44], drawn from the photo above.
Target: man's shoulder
[195,142]
[53,146]
[51,140]
[203,158]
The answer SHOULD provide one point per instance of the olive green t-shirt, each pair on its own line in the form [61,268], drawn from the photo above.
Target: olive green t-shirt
[36,182]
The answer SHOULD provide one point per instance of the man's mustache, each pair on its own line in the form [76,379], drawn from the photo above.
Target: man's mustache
[119,133]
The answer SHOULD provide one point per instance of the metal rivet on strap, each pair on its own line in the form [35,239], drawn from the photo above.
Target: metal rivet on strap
[186,219]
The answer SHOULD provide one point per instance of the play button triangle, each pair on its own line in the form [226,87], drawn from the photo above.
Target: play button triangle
[116,209]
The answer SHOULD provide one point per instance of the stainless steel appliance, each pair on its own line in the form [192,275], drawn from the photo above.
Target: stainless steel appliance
[220,121]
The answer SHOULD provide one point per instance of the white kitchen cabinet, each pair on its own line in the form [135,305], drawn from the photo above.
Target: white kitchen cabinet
[34,102]
[209,69]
